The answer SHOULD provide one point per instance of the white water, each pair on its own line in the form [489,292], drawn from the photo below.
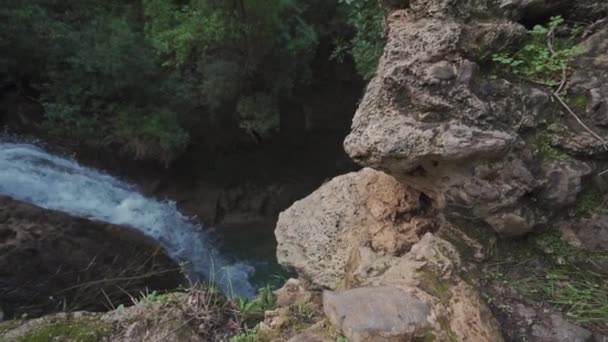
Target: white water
[30,174]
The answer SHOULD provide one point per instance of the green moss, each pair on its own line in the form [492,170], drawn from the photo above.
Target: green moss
[8,326]
[434,285]
[546,151]
[579,101]
[590,199]
[81,330]
[445,327]
[428,337]
[266,335]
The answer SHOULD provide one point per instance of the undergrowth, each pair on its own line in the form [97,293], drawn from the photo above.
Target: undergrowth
[547,54]
[556,274]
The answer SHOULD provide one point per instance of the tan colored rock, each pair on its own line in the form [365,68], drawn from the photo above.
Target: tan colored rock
[432,119]
[277,319]
[431,254]
[470,318]
[292,293]
[318,234]
[377,314]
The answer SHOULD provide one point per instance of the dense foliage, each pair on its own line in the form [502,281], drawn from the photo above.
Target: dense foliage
[368,42]
[150,75]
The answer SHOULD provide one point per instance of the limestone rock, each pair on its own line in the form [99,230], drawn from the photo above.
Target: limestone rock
[431,254]
[292,293]
[432,119]
[470,318]
[377,314]
[317,235]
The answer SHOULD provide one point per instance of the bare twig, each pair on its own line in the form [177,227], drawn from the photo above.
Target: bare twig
[109,300]
[164,338]
[604,143]
[110,280]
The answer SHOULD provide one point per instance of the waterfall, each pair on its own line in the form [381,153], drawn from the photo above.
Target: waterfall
[30,174]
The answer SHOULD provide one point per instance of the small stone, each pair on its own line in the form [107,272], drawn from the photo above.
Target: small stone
[292,293]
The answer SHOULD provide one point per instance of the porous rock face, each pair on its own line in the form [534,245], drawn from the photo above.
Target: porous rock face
[317,235]
[370,238]
[434,118]
[51,261]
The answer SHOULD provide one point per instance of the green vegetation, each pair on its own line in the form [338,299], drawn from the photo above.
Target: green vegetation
[580,102]
[251,312]
[303,313]
[8,326]
[434,285]
[565,280]
[150,76]
[545,149]
[155,297]
[366,47]
[79,330]
[589,200]
[545,57]
[247,336]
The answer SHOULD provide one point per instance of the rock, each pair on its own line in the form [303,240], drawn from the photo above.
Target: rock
[470,319]
[277,319]
[317,235]
[309,336]
[590,233]
[563,183]
[377,314]
[146,321]
[432,255]
[470,140]
[432,121]
[560,330]
[50,259]
[292,293]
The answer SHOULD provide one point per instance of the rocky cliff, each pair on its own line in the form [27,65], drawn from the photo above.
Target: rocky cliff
[466,150]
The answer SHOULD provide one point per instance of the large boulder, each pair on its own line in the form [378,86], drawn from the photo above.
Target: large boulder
[51,261]
[317,235]
[371,239]
[488,149]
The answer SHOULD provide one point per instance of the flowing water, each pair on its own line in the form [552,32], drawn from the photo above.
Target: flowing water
[29,173]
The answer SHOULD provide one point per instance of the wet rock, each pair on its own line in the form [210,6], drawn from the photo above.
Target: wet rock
[317,234]
[377,314]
